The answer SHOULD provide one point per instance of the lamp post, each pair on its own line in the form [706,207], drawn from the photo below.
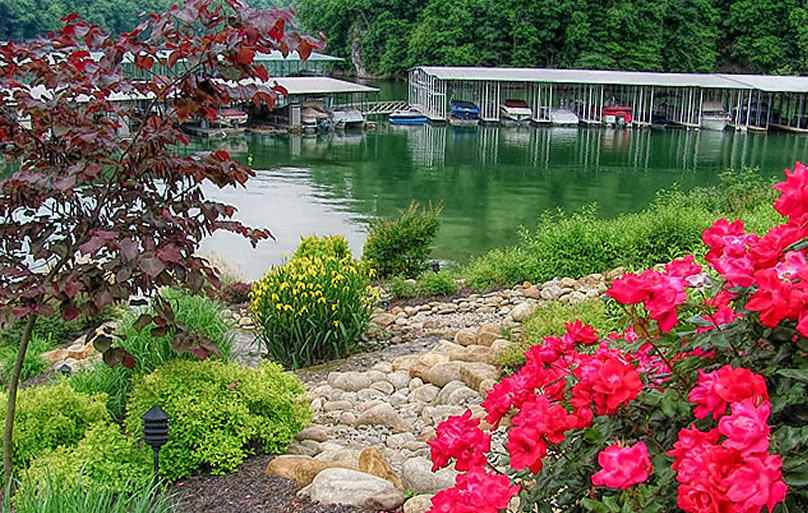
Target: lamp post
[155,432]
[65,369]
[436,266]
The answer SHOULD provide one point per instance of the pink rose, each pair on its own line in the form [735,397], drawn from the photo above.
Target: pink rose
[747,429]
[623,467]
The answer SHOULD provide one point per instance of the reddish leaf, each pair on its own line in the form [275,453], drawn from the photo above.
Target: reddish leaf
[304,49]
[128,361]
[245,56]
[141,322]
[70,17]
[151,266]
[159,331]
[261,72]
[102,343]
[145,62]
[114,356]
[169,253]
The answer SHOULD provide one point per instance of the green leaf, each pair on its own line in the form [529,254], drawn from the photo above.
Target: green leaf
[594,506]
[798,374]
[611,502]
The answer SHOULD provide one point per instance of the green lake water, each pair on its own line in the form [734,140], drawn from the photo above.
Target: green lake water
[490,180]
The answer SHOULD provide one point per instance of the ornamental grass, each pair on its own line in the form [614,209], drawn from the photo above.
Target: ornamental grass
[313,309]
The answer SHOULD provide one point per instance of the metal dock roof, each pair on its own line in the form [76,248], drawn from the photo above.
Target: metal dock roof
[768,83]
[296,86]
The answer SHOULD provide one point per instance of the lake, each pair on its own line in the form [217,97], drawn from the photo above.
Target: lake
[490,180]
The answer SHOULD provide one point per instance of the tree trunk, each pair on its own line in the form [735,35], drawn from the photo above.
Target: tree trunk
[12,402]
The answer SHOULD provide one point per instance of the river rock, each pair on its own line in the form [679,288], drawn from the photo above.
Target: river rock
[437,414]
[424,394]
[383,320]
[498,346]
[417,476]
[376,375]
[400,440]
[522,311]
[487,334]
[306,471]
[424,364]
[446,391]
[347,418]
[404,362]
[344,456]
[343,486]
[383,415]
[397,399]
[337,406]
[616,273]
[567,283]
[464,396]
[384,387]
[550,293]
[285,465]
[473,353]
[419,504]
[399,379]
[387,501]
[473,374]
[316,433]
[485,386]
[300,449]
[532,292]
[442,373]
[465,337]
[372,462]
[371,394]
[351,381]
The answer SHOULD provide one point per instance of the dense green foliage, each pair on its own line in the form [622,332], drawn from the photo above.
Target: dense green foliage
[442,283]
[312,309]
[760,36]
[50,416]
[56,495]
[104,458]
[400,247]
[220,413]
[327,245]
[56,328]
[580,243]
[549,321]
[32,364]
[25,19]
[197,313]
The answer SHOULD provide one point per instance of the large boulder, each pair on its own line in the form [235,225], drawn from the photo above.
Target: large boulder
[442,373]
[284,466]
[372,462]
[425,362]
[474,353]
[465,337]
[487,334]
[343,486]
[343,456]
[475,373]
[523,310]
[417,475]
[306,471]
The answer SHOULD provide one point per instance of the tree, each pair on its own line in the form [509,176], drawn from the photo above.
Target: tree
[90,219]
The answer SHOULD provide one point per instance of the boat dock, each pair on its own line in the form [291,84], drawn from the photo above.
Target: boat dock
[750,102]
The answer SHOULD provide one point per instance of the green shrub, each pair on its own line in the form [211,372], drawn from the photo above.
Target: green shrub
[327,245]
[198,314]
[32,364]
[401,246]
[105,457]
[549,320]
[401,287]
[500,266]
[57,329]
[50,416]
[437,284]
[53,494]
[312,309]
[219,413]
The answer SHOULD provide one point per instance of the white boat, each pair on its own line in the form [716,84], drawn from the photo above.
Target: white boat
[714,117]
[563,117]
[516,110]
[347,118]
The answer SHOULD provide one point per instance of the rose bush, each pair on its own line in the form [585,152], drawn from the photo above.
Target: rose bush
[699,402]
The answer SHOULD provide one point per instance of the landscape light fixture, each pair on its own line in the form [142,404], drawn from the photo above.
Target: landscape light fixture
[155,432]
[65,369]
[436,266]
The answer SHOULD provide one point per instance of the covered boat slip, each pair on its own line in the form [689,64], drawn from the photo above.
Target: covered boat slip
[749,102]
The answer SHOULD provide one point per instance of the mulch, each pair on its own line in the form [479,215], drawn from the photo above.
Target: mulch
[248,490]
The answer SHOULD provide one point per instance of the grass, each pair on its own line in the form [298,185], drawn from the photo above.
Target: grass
[58,496]
[32,365]
[549,321]
[429,283]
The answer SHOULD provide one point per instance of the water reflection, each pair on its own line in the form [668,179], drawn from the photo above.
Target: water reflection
[489,179]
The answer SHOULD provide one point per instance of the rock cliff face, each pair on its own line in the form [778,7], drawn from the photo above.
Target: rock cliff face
[356,55]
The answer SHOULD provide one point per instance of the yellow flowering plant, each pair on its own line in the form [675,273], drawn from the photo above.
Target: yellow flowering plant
[313,309]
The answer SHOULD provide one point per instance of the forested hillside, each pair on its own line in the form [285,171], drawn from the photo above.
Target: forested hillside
[385,37]
[25,19]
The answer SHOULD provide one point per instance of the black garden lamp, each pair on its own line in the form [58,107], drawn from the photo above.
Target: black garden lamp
[385,304]
[436,266]
[65,369]
[155,431]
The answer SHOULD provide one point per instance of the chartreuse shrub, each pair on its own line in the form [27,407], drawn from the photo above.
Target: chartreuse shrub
[437,284]
[400,247]
[549,321]
[104,458]
[32,364]
[312,309]
[52,416]
[53,494]
[198,314]
[501,266]
[327,245]
[220,413]
[697,403]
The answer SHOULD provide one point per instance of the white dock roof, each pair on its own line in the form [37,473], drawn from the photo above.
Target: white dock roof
[767,83]
[298,86]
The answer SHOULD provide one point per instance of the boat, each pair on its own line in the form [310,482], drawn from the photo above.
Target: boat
[347,119]
[464,113]
[407,117]
[714,117]
[516,110]
[560,116]
[659,122]
[618,115]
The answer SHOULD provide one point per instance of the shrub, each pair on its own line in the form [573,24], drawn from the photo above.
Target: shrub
[55,495]
[700,403]
[401,246]
[50,416]
[437,284]
[236,293]
[500,266]
[198,314]
[549,321]
[32,364]
[219,413]
[327,245]
[104,458]
[312,309]
[57,329]
[401,287]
